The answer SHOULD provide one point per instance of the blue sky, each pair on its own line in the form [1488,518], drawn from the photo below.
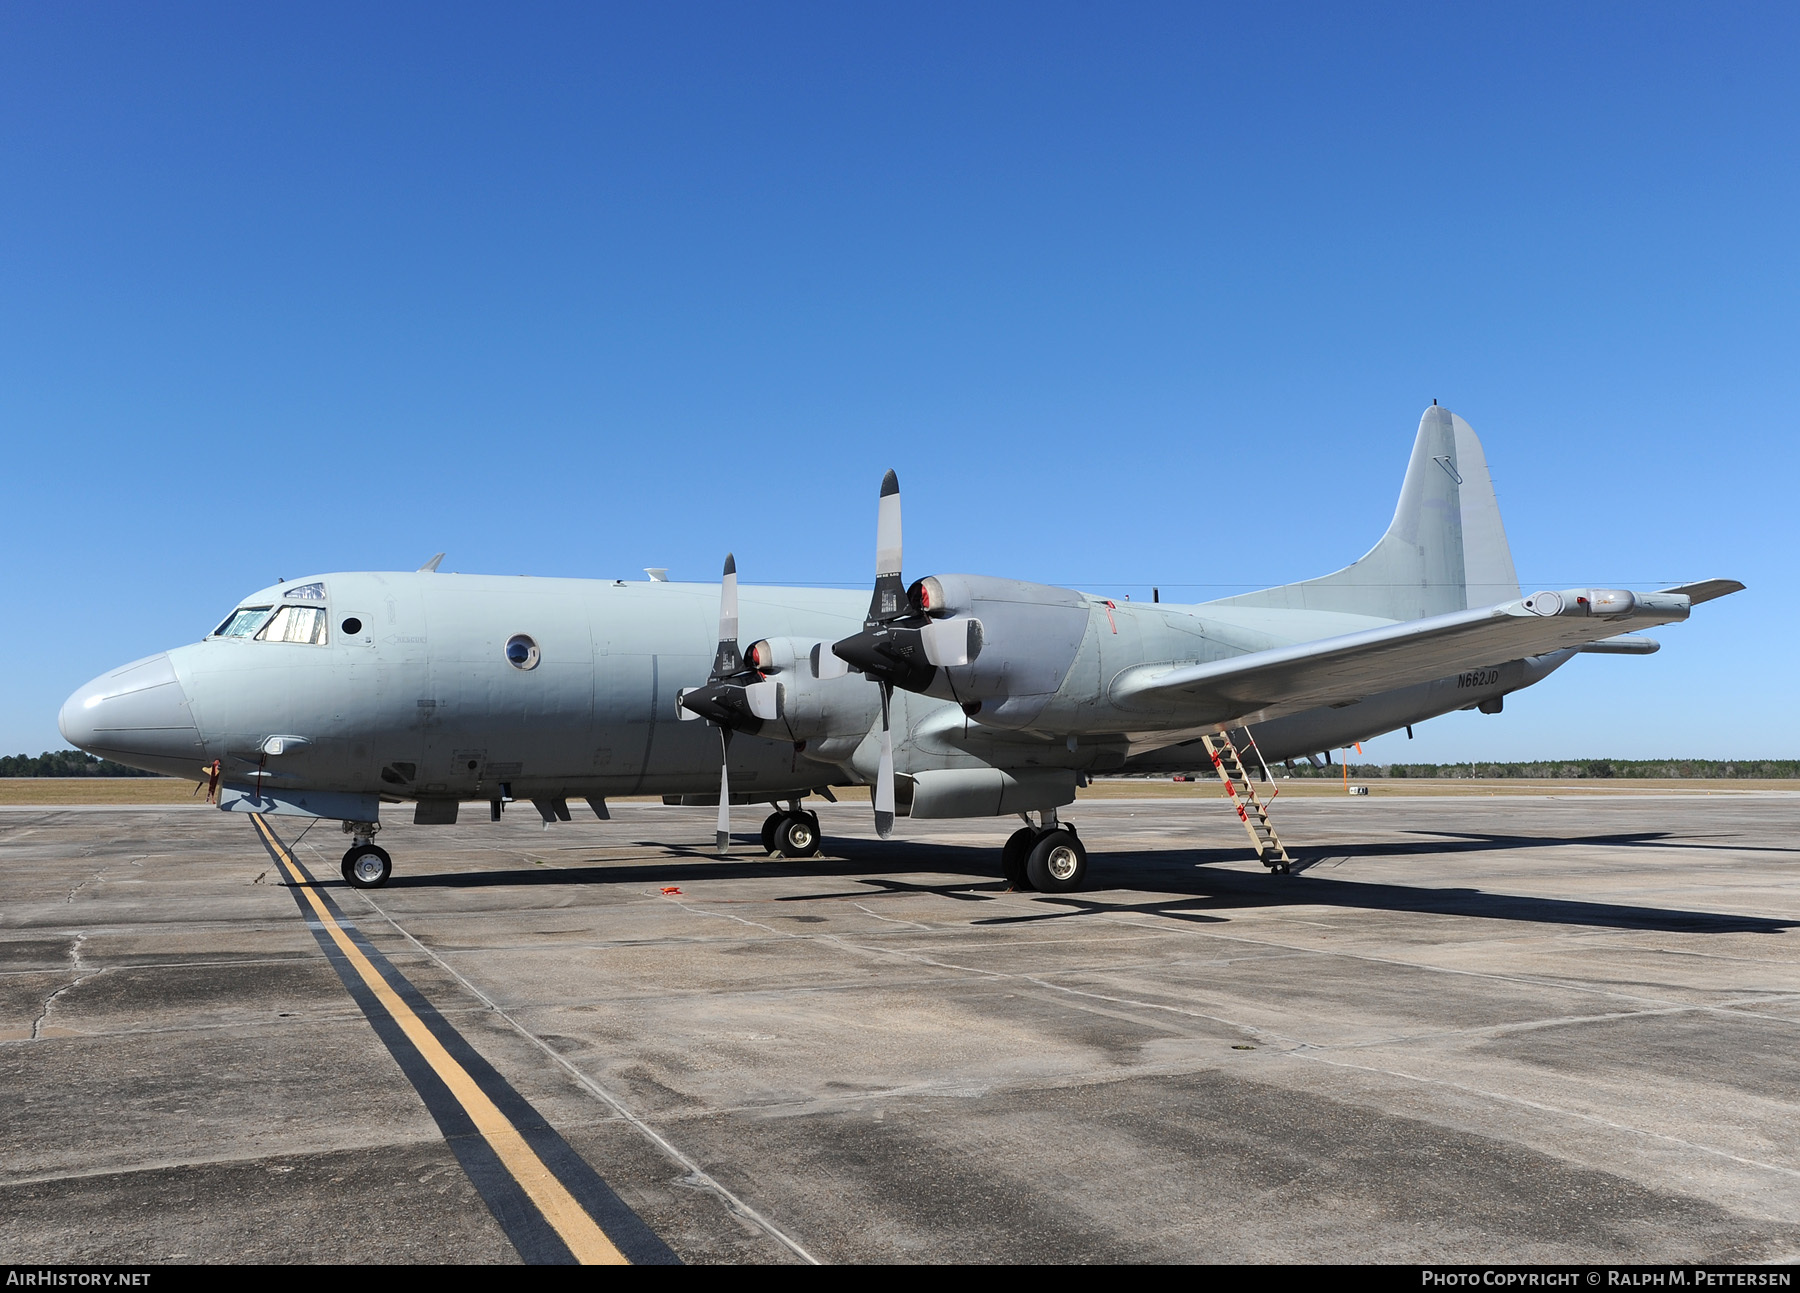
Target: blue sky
[1129,295]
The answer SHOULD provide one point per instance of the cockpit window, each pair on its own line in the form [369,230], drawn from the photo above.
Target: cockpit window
[304,593]
[295,624]
[243,622]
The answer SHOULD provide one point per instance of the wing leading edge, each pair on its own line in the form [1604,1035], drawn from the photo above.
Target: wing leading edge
[1343,670]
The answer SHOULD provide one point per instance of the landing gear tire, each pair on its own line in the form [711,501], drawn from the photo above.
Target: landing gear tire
[1015,854]
[768,832]
[367,867]
[797,835]
[1058,863]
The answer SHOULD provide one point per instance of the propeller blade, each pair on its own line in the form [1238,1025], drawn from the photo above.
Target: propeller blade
[826,663]
[764,698]
[722,836]
[727,661]
[949,643]
[889,600]
[884,774]
[889,649]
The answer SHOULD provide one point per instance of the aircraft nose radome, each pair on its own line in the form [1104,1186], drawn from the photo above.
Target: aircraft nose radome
[137,709]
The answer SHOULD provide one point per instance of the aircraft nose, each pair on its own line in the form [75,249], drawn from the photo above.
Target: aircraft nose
[134,714]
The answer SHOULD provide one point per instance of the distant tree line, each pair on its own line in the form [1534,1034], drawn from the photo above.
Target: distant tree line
[1570,769]
[65,763]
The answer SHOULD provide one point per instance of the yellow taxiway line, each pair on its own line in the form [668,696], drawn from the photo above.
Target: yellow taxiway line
[567,1217]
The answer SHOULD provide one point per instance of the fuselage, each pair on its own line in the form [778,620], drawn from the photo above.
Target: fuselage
[419,685]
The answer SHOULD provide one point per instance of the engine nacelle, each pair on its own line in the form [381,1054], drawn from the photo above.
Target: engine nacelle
[812,708]
[1605,602]
[1002,646]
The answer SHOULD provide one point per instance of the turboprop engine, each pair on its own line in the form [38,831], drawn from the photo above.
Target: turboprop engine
[1001,647]
[763,692]
[807,707]
[998,647]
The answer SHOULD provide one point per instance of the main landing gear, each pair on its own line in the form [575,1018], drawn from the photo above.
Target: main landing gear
[791,833]
[1048,857]
[366,865]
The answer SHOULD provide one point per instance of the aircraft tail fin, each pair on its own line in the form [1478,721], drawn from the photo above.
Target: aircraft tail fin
[1445,551]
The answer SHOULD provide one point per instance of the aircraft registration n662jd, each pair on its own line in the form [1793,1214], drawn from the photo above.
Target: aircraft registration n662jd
[956,696]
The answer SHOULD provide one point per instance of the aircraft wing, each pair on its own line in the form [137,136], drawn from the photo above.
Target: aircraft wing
[1707,589]
[1342,670]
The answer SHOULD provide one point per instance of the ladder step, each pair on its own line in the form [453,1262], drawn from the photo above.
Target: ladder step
[1240,789]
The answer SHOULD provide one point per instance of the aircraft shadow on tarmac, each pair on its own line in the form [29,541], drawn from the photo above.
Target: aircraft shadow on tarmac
[1195,891]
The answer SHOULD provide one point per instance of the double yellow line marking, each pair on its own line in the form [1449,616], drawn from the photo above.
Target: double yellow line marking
[566,1216]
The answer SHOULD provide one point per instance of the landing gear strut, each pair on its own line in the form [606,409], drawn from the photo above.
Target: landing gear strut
[366,865]
[791,833]
[1048,857]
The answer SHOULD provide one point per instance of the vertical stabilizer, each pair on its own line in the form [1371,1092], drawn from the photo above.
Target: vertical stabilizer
[1445,551]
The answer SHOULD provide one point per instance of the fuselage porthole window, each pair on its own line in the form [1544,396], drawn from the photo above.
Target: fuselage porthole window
[295,624]
[522,652]
[243,622]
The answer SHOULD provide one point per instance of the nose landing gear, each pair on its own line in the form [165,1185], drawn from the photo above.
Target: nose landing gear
[366,865]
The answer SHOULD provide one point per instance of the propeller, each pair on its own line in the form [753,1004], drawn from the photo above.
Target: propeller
[890,650]
[734,698]
[904,641]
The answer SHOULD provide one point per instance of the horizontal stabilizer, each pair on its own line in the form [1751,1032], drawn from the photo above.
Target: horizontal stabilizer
[1707,589]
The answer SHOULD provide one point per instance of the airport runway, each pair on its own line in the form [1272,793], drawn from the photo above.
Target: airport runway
[1472,1030]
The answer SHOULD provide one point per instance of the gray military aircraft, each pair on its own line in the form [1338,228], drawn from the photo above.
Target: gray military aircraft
[956,696]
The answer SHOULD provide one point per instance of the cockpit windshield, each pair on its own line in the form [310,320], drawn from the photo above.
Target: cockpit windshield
[276,624]
[295,624]
[243,622]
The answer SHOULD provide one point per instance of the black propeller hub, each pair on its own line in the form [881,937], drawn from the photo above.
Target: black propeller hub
[725,704]
[891,652]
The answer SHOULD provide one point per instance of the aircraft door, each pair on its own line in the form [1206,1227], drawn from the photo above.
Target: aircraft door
[512,674]
[384,663]
[625,696]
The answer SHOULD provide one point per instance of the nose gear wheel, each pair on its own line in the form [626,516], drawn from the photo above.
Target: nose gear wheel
[367,866]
